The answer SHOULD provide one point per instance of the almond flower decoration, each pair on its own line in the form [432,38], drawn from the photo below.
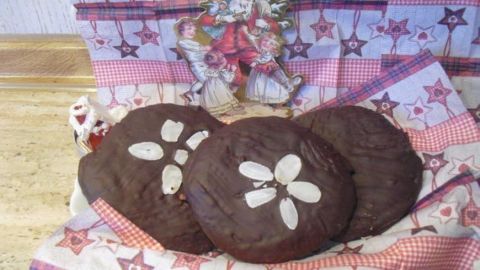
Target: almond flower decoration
[286,172]
[172,175]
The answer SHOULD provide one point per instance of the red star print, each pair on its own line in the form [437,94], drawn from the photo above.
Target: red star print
[298,48]
[471,214]
[437,93]
[127,49]
[475,113]
[453,18]
[348,250]
[476,41]
[434,163]
[323,28]
[353,45]
[147,35]
[191,262]
[136,262]
[397,29]
[385,105]
[75,240]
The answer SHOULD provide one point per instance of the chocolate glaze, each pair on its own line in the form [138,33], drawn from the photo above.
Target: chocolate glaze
[388,173]
[216,189]
[134,186]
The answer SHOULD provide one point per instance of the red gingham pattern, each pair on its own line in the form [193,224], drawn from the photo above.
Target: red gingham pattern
[321,72]
[130,72]
[459,130]
[425,252]
[435,2]
[336,72]
[130,234]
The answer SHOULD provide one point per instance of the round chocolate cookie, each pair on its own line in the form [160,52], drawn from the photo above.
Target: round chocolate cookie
[388,173]
[267,190]
[138,170]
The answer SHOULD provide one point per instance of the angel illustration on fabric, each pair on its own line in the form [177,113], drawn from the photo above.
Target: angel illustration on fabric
[245,35]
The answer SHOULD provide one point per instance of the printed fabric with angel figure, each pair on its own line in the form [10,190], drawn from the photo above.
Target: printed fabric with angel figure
[246,35]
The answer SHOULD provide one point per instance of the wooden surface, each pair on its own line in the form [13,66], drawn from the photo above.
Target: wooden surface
[40,77]
[38,164]
[37,17]
[51,60]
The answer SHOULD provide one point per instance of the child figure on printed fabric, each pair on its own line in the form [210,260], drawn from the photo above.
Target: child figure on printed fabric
[268,83]
[194,52]
[216,8]
[216,96]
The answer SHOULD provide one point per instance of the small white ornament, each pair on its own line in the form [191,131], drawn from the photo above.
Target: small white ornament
[146,151]
[172,179]
[196,139]
[261,196]
[289,213]
[181,156]
[171,130]
[255,171]
[287,169]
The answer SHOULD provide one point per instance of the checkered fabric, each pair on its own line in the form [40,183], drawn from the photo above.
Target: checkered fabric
[140,72]
[335,72]
[459,130]
[410,253]
[130,234]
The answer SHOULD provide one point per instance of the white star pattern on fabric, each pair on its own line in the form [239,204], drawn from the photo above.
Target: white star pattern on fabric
[99,42]
[463,165]
[418,110]
[378,29]
[138,100]
[286,171]
[110,244]
[445,212]
[423,36]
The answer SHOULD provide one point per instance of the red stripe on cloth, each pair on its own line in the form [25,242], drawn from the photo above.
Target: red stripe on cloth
[40,265]
[321,72]
[424,252]
[382,81]
[335,72]
[130,234]
[454,66]
[435,2]
[130,72]
[459,130]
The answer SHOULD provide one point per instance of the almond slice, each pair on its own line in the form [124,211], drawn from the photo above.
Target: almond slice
[171,130]
[255,171]
[196,139]
[146,151]
[171,179]
[289,213]
[287,169]
[181,156]
[304,191]
[258,197]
